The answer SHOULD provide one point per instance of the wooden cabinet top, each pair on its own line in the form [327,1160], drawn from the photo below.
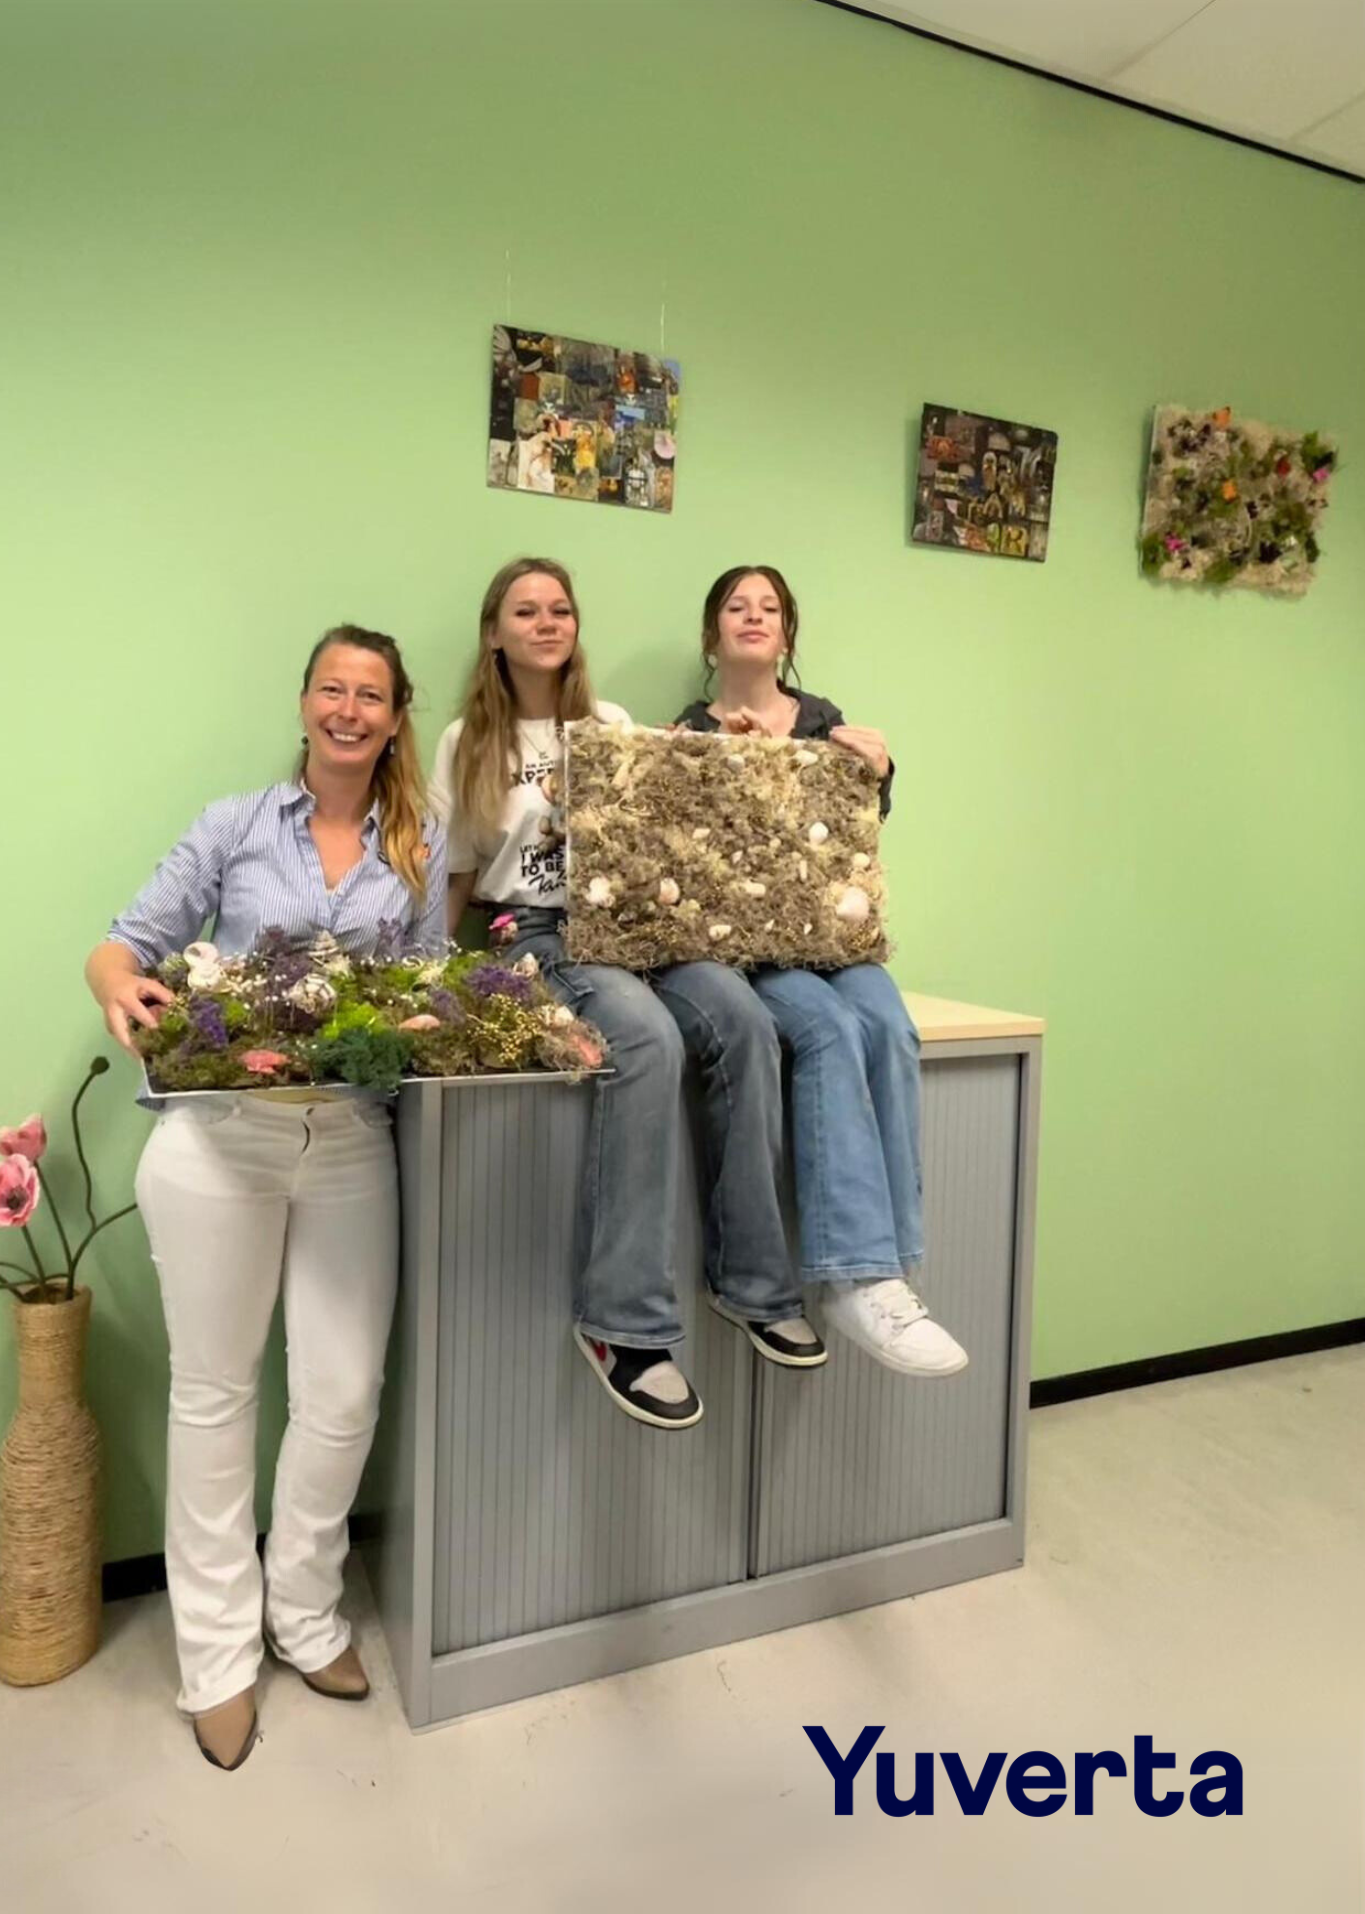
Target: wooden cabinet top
[940,1020]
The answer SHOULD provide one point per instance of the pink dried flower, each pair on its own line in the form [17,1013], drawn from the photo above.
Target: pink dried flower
[1175,544]
[264,1063]
[422,1021]
[503,928]
[30,1139]
[19,1190]
[1321,476]
[589,1050]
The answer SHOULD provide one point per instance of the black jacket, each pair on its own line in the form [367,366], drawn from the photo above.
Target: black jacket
[815,718]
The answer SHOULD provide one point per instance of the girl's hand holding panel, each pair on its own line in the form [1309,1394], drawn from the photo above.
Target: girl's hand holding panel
[864,743]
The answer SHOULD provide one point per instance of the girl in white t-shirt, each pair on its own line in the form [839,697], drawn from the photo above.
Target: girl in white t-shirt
[496,785]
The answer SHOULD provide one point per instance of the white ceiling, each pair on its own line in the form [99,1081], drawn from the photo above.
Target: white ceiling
[1290,73]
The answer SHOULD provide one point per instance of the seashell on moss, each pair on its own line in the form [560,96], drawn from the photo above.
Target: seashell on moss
[854,905]
[311,993]
[205,966]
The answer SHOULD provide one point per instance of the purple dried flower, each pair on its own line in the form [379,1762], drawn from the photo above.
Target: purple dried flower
[206,1019]
[494,980]
[446,1006]
[389,940]
[286,969]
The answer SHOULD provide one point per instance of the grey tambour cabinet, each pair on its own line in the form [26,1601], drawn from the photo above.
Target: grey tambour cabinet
[532,1536]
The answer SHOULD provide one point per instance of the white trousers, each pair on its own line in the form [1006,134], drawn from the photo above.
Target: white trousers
[243,1199]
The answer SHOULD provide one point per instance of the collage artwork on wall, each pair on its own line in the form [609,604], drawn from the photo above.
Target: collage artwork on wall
[983,485]
[584,421]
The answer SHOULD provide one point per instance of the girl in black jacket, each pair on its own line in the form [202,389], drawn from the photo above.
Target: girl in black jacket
[854,1050]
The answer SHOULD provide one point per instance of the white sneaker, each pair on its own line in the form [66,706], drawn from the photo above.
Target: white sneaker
[887,1319]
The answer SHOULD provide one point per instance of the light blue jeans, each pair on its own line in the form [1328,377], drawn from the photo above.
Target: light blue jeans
[627,1224]
[855,1119]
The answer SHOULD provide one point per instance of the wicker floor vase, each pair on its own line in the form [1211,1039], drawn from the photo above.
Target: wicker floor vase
[49,1501]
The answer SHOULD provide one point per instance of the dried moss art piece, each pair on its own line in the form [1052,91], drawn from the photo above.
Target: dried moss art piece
[290,1013]
[1234,502]
[749,850]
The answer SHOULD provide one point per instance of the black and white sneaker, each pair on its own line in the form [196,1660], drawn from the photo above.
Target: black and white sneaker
[646,1383]
[793,1342]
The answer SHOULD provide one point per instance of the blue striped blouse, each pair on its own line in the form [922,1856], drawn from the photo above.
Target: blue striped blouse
[248,864]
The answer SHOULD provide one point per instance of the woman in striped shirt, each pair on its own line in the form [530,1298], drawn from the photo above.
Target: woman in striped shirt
[248,1197]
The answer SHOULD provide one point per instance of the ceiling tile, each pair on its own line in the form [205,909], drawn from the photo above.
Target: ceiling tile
[1288,75]
[1086,41]
[1340,139]
[1257,66]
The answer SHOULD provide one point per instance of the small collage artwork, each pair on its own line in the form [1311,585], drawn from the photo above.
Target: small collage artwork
[577,420]
[983,485]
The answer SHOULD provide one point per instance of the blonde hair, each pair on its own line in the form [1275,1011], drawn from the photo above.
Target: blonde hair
[398,786]
[488,755]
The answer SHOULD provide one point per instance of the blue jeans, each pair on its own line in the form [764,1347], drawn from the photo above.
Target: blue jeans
[855,1119]
[625,1285]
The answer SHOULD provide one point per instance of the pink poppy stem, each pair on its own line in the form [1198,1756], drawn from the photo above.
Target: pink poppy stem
[86,1241]
[37,1261]
[55,1214]
[90,1076]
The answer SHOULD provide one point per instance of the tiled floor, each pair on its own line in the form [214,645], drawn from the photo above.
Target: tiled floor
[1196,1571]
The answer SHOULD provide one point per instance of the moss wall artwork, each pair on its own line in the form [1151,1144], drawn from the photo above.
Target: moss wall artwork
[1234,502]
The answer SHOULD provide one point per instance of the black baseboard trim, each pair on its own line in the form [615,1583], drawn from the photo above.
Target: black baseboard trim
[1194,1362]
[138,1575]
[1099,92]
[146,1574]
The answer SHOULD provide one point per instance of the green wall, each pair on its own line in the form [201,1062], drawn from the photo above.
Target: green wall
[254,251]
